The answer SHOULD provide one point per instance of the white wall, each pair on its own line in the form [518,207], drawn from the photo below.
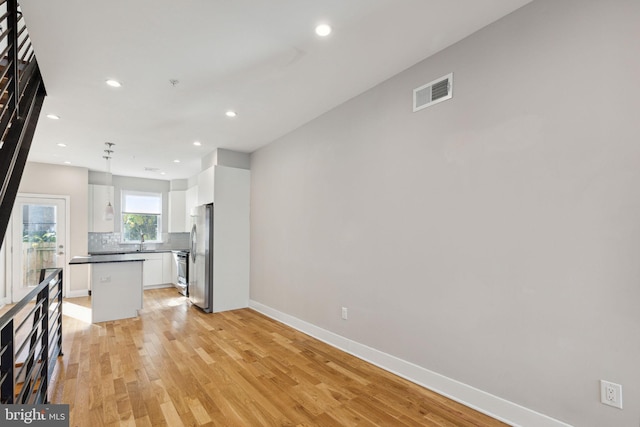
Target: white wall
[41,178]
[493,238]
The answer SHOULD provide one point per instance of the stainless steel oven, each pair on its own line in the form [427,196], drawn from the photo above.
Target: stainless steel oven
[182,268]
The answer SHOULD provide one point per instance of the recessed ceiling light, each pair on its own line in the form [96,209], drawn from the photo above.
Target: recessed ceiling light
[53,116]
[163,173]
[176,161]
[67,162]
[231,113]
[197,143]
[61,145]
[113,83]
[323,30]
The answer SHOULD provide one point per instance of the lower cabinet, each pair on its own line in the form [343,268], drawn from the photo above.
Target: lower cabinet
[168,267]
[156,270]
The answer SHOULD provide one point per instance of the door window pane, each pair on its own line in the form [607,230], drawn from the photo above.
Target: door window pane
[38,241]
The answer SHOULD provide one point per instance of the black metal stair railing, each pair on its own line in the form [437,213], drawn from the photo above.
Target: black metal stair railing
[31,331]
[30,343]
[22,93]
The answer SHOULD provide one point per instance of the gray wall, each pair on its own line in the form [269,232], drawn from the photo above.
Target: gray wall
[178,184]
[224,157]
[493,238]
[42,178]
[138,184]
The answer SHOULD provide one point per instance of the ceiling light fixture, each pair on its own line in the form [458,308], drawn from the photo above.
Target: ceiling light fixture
[67,162]
[231,113]
[53,116]
[176,161]
[197,143]
[323,30]
[108,210]
[113,83]
[61,144]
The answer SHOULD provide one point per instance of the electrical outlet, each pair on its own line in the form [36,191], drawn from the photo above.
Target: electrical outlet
[611,394]
[345,313]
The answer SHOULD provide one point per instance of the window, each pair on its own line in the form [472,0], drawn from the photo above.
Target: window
[141,215]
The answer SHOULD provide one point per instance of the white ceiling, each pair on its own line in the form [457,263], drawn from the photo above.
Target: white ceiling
[260,58]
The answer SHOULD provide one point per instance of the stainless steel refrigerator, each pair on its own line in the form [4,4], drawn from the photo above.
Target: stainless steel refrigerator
[201,259]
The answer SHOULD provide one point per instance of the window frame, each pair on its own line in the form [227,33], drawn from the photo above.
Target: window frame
[123,212]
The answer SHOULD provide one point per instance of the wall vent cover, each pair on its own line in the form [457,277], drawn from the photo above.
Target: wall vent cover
[433,92]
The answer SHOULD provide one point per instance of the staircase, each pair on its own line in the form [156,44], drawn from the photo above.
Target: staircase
[21,97]
[31,330]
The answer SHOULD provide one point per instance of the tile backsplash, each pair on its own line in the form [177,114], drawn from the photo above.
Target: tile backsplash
[110,242]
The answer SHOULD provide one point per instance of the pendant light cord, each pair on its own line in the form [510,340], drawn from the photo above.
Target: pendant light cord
[108,212]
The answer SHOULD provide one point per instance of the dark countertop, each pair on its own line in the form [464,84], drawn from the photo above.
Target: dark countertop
[98,259]
[151,251]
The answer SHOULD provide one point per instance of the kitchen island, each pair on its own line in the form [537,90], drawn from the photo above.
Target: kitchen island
[116,285]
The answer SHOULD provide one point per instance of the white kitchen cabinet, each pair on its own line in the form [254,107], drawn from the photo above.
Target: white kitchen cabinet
[231,238]
[98,197]
[206,186]
[177,221]
[152,270]
[157,270]
[231,246]
[190,202]
[167,268]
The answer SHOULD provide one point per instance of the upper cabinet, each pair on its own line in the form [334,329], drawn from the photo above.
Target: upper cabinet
[99,195]
[205,186]
[191,201]
[227,176]
[180,205]
[177,221]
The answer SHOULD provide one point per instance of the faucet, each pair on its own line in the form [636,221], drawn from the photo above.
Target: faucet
[141,242]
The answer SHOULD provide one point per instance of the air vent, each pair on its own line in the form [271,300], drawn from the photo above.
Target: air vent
[436,91]
[148,169]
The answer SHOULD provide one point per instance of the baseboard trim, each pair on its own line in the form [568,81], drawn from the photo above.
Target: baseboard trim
[494,406]
[76,294]
[160,286]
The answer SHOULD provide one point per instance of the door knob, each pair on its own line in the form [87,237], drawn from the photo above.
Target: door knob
[60,253]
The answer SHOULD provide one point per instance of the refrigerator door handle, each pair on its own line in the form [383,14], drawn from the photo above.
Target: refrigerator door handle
[193,243]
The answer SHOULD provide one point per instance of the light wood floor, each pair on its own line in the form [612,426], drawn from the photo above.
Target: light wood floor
[175,366]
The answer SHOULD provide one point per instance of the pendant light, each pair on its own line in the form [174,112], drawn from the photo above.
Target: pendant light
[108,210]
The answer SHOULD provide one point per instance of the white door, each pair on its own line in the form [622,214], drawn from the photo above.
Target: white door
[38,241]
